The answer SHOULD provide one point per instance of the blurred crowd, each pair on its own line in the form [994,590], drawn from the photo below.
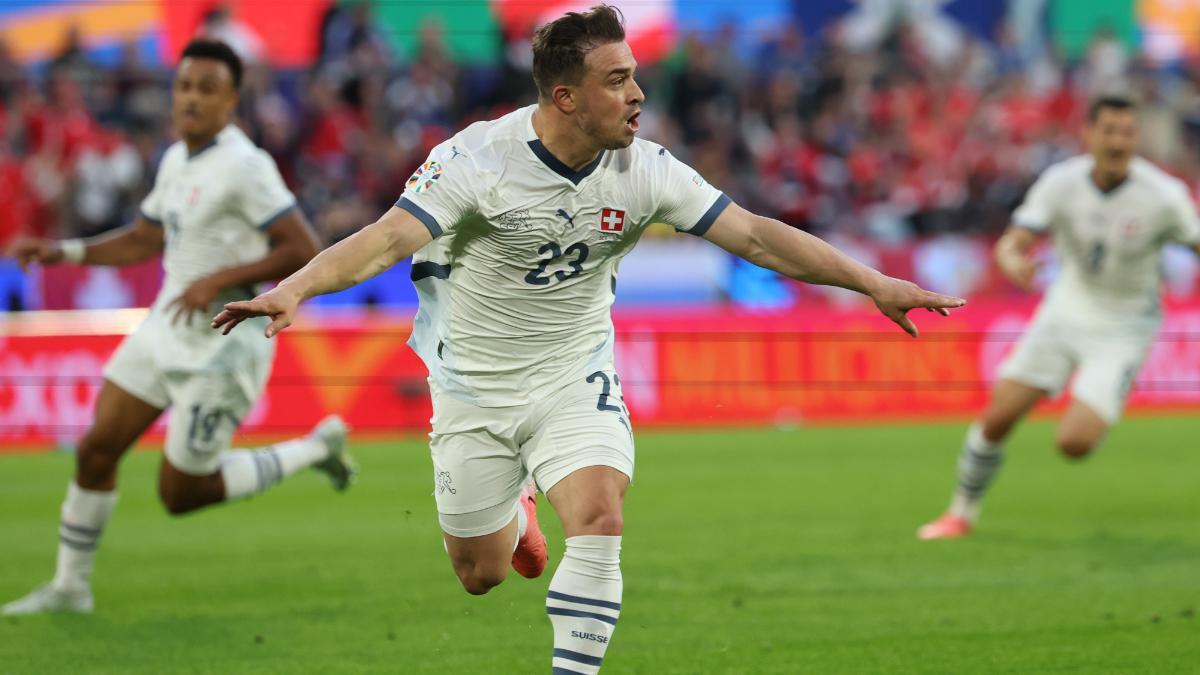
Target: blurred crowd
[888,141]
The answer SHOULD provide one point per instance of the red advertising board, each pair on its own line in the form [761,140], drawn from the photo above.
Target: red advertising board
[703,367]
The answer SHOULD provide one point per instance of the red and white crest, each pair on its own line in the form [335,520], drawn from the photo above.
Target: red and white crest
[612,220]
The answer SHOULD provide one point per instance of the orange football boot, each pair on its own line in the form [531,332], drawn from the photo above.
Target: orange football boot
[949,526]
[529,558]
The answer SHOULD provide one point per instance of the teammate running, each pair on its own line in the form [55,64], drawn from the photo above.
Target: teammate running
[223,221]
[1110,214]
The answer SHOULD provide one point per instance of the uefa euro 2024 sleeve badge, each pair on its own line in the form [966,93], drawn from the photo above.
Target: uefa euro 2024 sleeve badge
[424,177]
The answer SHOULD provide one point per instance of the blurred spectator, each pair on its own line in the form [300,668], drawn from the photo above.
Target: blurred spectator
[891,125]
[702,102]
[220,24]
[16,203]
[1106,63]
[72,60]
[347,30]
[108,172]
[11,78]
[433,55]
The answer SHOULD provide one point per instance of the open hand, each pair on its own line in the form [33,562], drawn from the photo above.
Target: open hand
[197,298]
[895,297]
[31,249]
[276,303]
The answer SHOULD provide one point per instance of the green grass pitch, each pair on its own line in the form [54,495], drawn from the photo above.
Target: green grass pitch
[745,552]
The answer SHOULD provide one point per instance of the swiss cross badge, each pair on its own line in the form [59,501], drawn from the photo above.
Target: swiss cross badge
[612,220]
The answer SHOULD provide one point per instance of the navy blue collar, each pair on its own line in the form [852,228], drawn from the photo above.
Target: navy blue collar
[561,169]
[194,155]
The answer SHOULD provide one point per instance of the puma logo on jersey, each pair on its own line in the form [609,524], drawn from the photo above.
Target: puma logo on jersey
[562,213]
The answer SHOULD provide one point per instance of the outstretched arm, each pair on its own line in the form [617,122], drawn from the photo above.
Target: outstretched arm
[368,252]
[128,245]
[771,244]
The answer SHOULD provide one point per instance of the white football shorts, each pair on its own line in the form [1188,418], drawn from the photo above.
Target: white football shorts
[206,404]
[1104,359]
[482,457]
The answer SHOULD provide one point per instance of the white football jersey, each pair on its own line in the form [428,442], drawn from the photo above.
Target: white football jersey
[215,206]
[1109,243]
[516,288]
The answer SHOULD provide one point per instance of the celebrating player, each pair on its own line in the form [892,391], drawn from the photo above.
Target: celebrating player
[517,226]
[1111,214]
[223,220]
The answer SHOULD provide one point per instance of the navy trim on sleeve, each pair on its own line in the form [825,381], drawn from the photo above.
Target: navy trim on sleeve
[424,270]
[422,215]
[148,219]
[710,216]
[279,214]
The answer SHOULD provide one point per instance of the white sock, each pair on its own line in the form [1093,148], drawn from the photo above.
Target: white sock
[84,514]
[977,467]
[249,472]
[584,602]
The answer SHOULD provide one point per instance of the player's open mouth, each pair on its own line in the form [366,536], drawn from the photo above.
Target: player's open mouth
[632,122]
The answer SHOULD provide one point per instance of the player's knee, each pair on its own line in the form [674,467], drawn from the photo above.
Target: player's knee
[478,579]
[1075,447]
[604,523]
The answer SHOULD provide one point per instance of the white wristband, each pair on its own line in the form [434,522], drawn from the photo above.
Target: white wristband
[73,250]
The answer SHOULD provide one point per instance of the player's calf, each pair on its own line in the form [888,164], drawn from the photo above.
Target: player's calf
[181,493]
[194,476]
[121,418]
[1010,402]
[96,458]
[584,598]
[481,562]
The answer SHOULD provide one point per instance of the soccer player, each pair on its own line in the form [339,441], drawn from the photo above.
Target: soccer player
[517,226]
[1110,214]
[224,221]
